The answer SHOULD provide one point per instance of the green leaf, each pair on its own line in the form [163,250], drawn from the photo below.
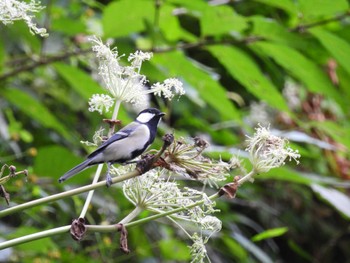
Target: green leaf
[285,174]
[286,5]
[191,5]
[338,47]
[171,27]
[34,109]
[300,67]
[38,246]
[218,20]
[54,156]
[300,250]
[272,30]
[2,54]
[337,199]
[80,81]
[117,22]
[68,26]
[177,64]
[245,70]
[235,249]
[339,132]
[270,233]
[172,249]
[311,9]
[252,248]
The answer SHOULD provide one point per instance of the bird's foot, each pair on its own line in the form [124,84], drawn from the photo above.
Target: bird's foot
[108,180]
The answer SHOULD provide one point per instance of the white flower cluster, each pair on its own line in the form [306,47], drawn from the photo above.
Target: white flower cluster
[198,250]
[267,151]
[97,139]
[13,10]
[169,88]
[152,192]
[125,83]
[100,102]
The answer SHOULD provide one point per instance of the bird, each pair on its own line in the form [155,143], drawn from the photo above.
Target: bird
[123,146]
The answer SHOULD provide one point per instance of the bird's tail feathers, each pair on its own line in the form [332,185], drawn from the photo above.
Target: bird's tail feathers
[75,170]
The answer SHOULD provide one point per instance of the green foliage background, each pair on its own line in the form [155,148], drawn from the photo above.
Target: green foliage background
[229,55]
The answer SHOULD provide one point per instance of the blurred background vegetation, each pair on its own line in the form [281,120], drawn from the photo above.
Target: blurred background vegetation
[281,62]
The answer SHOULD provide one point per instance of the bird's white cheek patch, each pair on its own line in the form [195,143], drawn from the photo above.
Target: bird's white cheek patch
[145,117]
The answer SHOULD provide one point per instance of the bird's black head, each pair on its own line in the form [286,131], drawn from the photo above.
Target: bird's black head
[150,116]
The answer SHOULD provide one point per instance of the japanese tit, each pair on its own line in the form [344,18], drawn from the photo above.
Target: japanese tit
[125,145]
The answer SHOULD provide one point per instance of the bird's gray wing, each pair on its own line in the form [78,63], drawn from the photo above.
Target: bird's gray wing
[121,134]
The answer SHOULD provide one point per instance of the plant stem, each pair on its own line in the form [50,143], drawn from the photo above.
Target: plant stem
[59,196]
[91,192]
[35,236]
[247,177]
[134,213]
[100,166]
[107,228]
[101,228]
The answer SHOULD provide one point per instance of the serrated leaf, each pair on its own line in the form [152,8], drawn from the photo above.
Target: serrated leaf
[118,23]
[337,199]
[246,71]
[177,64]
[300,67]
[270,233]
[80,81]
[335,45]
[34,109]
[218,20]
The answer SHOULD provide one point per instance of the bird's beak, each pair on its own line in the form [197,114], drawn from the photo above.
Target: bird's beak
[161,114]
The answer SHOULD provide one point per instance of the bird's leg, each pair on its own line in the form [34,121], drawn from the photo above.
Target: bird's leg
[108,175]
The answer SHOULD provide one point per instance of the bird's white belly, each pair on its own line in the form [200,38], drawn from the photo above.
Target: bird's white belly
[122,149]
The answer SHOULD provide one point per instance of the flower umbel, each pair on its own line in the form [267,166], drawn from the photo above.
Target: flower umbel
[198,250]
[125,83]
[187,159]
[138,57]
[100,102]
[12,10]
[169,88]
[267,151]
[154,193]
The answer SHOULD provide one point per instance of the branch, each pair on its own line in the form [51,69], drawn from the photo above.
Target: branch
[246,40]
[302,28]
[44,61]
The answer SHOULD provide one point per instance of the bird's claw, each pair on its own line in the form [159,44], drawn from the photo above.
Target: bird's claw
[108,180]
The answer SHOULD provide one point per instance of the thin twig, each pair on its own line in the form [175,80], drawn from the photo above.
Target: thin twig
[302,28]
[246,40]
[183,46]
[44,61]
